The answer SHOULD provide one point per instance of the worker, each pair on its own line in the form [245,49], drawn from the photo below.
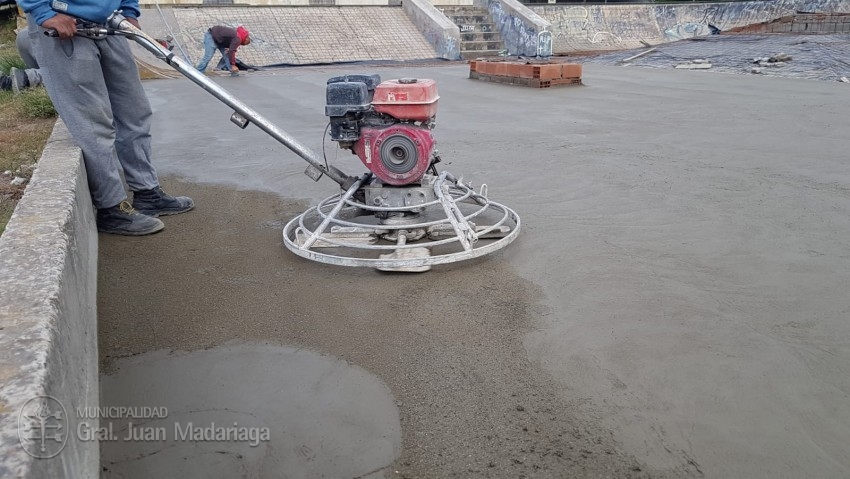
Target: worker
[18,79]
[95,87]
[227,40]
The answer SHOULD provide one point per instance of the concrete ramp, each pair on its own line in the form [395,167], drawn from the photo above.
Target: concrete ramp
[298,35]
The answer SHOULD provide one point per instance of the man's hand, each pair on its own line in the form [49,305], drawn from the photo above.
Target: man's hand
[64,25]
[134,22]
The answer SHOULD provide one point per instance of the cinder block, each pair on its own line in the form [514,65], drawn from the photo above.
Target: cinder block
[570,70]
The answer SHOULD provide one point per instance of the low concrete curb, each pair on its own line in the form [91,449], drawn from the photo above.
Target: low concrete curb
[48,322]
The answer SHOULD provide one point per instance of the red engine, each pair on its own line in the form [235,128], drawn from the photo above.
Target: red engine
[386,124]
[398,155]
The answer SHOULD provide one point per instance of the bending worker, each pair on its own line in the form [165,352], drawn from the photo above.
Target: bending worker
[224,38]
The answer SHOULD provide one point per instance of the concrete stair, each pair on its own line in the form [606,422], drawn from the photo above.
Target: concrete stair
[478,34]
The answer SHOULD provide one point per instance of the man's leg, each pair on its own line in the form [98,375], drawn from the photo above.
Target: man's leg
[74,79]
[131,112]
[132,117]
[33,77]
[209,50]
[25,48]
[23,79]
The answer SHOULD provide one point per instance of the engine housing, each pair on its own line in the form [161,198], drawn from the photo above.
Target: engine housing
[398,154]
[386,124]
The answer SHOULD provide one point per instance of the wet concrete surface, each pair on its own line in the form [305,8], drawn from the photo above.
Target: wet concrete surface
[675,306]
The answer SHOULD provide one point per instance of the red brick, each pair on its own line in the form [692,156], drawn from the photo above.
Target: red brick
[500,68]
[570,70]
[526,71]
[513,69]
[547,72]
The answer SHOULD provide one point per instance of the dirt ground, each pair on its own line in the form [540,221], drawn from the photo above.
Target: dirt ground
[674,307]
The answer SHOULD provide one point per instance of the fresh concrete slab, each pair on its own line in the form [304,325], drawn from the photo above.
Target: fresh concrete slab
[286,408]
[675,306]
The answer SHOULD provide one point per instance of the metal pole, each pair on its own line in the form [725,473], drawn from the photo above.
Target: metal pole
[122,27]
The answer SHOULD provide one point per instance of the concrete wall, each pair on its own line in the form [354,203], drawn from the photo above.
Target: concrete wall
[438,30]
[615,27]
[523,31]
[48,323]
[814,23]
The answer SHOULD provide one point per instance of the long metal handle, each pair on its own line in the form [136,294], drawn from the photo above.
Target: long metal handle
[123,27]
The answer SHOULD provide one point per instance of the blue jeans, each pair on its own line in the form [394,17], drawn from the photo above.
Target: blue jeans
[209,50]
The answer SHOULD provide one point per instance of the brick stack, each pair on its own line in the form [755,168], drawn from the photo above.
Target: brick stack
[531,74]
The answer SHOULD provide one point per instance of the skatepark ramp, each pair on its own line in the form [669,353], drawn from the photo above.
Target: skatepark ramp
[284,36]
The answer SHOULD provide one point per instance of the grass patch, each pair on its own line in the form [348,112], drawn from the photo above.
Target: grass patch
[27,121]
[8,60]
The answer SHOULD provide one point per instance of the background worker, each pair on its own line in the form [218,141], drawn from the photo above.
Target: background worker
[21,79]
[224,38]
[18,79]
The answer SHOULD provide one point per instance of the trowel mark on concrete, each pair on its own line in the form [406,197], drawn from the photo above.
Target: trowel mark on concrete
[325,417]
[448,343]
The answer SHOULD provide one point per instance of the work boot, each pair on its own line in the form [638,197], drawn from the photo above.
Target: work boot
[19,80]
[122,219]
[156,202]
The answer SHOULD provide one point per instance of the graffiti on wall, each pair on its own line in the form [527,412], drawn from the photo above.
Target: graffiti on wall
[715,18]
[600,27]
[680,31]
[575,23]
[544,44]
[446,45]
[519,38]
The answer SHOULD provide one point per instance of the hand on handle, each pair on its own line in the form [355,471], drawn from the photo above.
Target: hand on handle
[63,25]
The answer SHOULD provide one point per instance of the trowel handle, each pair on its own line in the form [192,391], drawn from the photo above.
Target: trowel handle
[243,114]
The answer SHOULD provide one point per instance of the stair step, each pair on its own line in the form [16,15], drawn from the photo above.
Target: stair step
[473,54]
[478,36]
[481,27]
[462,10]
[473,19]
[495,45]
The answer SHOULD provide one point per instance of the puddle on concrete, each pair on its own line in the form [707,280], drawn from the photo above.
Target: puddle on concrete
[288,413]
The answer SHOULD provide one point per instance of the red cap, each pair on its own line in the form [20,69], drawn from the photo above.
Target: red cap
[242,33]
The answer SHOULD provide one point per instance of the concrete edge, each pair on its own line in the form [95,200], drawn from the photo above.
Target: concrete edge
[48,323]
[524,32]
[437,29]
